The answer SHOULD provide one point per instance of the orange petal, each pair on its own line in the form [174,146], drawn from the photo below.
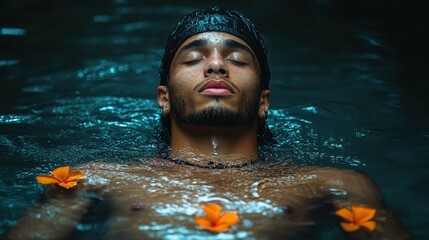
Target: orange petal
[213,212]
[68,184]
[345,213]
[228,218]
[220,228]
[362,214]
[369,226]
[349,227]
[45,179]
[61,173]
[202,222]
[74,176]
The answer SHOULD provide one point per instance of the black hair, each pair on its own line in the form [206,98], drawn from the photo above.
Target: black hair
[215,20]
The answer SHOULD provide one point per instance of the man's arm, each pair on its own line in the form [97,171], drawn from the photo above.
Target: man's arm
[54,217]
[359,190]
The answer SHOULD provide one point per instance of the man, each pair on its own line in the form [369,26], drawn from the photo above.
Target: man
[214,99]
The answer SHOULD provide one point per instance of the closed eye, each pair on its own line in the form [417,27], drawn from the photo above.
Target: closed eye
[237,62]
[239,58]
[192,57]
[192,62]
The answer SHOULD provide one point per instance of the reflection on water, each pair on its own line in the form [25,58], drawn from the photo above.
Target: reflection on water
[12,31]
[80,84]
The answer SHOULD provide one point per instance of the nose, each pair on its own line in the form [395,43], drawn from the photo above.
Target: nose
[216,66]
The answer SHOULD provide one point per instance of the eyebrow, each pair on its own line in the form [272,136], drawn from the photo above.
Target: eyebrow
[195,43]
[228,43]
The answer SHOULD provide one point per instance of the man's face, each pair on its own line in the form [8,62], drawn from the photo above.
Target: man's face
[214,81]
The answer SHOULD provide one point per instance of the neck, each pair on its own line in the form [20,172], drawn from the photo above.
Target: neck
[213,147]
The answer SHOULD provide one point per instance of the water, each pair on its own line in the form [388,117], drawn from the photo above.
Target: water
[78,84]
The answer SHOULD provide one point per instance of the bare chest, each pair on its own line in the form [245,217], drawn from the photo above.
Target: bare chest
[184,191]
[168,200]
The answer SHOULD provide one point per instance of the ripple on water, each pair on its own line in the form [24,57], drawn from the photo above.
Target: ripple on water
[102,70]
[4,63]
[305,134]
[16,119]
[12,31]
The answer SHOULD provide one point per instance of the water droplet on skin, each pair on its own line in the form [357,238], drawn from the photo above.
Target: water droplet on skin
[214,145]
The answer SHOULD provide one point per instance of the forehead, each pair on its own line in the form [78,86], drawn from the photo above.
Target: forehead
[214,38]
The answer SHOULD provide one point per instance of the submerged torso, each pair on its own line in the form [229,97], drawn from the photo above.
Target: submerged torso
[157,198]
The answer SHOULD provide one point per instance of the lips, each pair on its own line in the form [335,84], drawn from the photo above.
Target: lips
[216,88]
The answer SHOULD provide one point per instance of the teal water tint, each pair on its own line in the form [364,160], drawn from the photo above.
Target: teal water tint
[78,83]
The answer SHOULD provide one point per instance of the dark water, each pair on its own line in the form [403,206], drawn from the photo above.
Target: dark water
[349,89]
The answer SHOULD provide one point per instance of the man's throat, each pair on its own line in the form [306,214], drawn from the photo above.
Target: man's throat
[215,158]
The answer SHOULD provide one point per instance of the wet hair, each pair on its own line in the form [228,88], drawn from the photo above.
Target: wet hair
[214,20]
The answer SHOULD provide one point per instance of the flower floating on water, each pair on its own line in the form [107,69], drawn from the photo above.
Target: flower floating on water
[62,177]
[358,217]
[216,221]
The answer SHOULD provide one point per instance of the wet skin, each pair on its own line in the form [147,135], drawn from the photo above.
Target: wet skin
[210,70]
[278,201]
[213,70]
[217,57]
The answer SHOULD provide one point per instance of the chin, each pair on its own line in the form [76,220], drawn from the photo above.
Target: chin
[219,103]
[216,108]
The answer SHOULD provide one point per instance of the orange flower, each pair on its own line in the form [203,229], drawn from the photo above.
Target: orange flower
[216,221]
[358,217]
[62,177]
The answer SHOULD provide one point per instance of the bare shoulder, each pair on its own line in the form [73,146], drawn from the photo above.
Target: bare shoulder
[119,166]
[98,166]
[338,176]
[353,188]
[350,184]
[100,173]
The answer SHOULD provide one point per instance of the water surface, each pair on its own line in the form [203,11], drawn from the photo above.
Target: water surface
[78,84]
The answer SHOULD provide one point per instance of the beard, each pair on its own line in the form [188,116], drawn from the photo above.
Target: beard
[215,116]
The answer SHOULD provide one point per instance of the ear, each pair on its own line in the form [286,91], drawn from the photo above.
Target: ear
[163,97]
[264,103]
